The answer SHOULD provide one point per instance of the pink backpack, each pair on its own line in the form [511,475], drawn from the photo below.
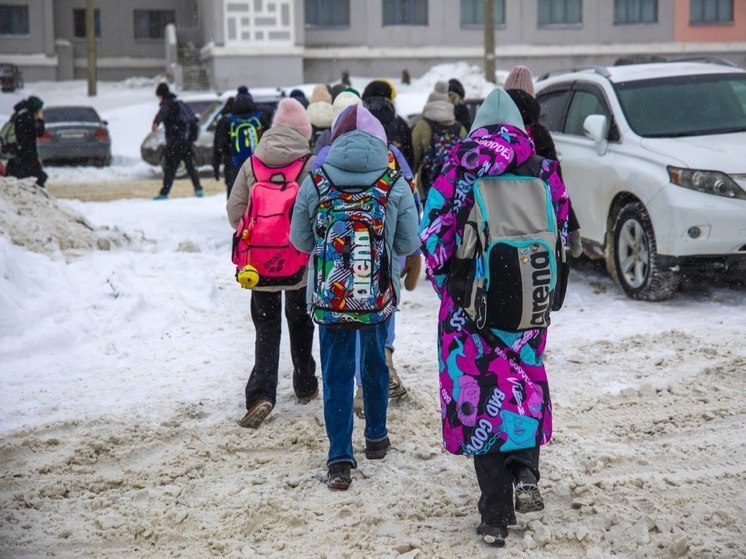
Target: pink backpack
[262,239]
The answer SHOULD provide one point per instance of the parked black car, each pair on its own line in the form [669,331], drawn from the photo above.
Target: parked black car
[74,134]
[11,77]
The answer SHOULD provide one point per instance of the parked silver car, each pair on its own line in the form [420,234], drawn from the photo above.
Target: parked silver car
[74,134]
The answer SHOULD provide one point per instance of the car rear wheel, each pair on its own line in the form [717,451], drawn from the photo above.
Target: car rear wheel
[635,257]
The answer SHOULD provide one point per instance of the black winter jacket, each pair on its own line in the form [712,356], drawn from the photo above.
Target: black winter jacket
[168,115]
[397,130]
[28,128]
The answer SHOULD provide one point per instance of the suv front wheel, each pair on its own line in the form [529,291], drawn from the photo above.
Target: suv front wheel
[635,258]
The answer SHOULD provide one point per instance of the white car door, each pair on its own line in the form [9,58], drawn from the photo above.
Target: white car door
[588,174]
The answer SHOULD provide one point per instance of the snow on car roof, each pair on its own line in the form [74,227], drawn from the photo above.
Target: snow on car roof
[633,72]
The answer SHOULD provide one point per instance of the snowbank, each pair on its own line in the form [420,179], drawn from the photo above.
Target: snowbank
[32,218]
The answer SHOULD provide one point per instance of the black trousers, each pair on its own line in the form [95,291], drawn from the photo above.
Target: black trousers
[496,472]
[231,173]
[24,166]
[266,314]
[173,155]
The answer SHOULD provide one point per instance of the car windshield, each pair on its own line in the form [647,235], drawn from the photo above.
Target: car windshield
[685,106]
[200,107]
[70,114]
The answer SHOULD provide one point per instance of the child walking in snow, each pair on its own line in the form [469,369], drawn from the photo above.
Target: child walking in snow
[356,216]
[283,145]
[493,387]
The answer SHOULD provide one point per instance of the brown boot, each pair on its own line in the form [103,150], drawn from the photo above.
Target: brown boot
[396,388]
[256,414]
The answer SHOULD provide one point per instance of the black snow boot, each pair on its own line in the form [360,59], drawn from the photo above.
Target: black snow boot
[339,477]
[527,495]
[377,450]
[493,535]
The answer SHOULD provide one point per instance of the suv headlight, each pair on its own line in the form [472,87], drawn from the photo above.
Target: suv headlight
[709,182]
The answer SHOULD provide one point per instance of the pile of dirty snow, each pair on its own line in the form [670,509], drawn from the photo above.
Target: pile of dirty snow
[32,218]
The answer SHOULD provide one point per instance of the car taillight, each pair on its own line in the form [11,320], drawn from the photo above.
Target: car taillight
[47,137]
[101,134]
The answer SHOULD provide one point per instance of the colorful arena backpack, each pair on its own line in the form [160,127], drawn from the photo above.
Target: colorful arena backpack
[442,140]
[509,270]
[353,287]
[262,251]
[245,134]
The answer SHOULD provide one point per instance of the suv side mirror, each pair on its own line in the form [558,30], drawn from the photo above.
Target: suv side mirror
[596,127]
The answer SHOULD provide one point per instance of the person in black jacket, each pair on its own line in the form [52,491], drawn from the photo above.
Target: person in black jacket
[456,95]
[220,151]
[378,98]
[530,112]
[243,109]
[29,125]
[178,146]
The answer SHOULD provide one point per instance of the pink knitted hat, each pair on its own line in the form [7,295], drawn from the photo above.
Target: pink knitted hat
[520,78]
[291,113]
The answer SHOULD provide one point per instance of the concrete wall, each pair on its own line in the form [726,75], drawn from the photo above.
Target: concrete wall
[210,15]
[521,27]
[33,53]
[229,70]
[119,54]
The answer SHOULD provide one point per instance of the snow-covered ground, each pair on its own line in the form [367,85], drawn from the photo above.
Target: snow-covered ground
[122,374]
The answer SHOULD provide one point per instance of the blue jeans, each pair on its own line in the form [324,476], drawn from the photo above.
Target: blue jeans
[391,334]
[338,361]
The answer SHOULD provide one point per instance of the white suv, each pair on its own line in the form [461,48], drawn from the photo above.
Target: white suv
[654,157]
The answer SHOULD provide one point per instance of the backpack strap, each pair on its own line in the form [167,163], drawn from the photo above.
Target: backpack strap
[289,172]
[385,183]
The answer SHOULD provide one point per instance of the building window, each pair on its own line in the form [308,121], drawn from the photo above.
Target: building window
[405,12]
[635,11]
[79,23]
[472,13]
[711,11]
[151,24]
[560,12]
[14,20]
[327,13]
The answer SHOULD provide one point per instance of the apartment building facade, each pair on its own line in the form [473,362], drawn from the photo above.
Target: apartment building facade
[284,42]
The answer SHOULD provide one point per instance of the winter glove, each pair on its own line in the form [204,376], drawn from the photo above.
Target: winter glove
[576,245]
[411,272]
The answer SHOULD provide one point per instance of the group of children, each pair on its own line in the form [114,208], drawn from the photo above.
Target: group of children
[355,219]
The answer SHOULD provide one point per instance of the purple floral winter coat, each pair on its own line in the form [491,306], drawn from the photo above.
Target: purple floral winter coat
[494,392]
